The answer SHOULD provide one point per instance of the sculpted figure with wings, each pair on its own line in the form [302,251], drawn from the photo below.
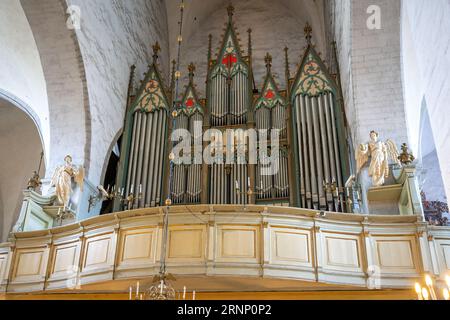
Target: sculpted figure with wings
[62,180]
[380,152]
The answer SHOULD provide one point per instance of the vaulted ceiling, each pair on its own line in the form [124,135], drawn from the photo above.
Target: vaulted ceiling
[276,23]
[197,11]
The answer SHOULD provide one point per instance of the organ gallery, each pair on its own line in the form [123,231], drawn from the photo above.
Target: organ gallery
[283,164]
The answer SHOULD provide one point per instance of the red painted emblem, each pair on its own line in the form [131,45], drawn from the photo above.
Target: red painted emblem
[269,94]
[190,103]
[229,60]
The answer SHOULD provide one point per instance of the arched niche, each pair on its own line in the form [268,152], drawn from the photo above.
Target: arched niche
[21,145]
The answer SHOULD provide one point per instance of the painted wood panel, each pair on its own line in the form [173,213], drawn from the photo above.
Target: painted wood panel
[342,252]
[238,243]
[98,252]
[30,264]
[397,254]
[66,258]
[186,242]
[290,246]
[137,246]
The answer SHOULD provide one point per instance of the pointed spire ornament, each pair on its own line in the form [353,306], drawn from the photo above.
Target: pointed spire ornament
[191,69]
[268,61]
[156,49]
[308,33]
[249,31]
[230,10]
[286,65]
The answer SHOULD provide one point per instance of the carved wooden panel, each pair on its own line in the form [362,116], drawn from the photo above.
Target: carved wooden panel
[186,242]
[65,259]
[3,262]
[446,251]
[30,264]
[238,243]
[290,246]
[98,252]
[137,246]
[397,254]
[342,252]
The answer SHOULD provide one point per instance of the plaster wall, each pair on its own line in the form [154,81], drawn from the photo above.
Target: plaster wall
[113,35]
[21,74]
[426,66]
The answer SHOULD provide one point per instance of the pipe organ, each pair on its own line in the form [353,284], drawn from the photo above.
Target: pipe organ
[317,140]
[186,186]
[295,136]
[142,164]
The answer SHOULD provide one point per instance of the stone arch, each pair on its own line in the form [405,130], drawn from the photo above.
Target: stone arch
[21,136]
[108,154]
[69,111]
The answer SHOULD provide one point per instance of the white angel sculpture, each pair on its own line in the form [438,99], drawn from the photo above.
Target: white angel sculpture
[381,152]
[62,180]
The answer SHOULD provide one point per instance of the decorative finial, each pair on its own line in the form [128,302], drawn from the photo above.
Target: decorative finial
[308,32]
[286,66]
[268,60]
[406,158]
[209,47]
[230,10]
[156,49]
[191,69]
[249,31]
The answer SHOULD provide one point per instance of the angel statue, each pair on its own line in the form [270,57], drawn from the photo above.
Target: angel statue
[62,180]
[381,152]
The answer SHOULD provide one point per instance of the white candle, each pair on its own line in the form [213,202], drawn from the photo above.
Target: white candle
[248,182]
[137,289]
[131,290]
[237,185]
[123,191]
[184,293]
[446,294]
[140,188]
[132,188]
[419,291]
[141,297]
[162,286]
[425,294]
[193,295]
[429,283]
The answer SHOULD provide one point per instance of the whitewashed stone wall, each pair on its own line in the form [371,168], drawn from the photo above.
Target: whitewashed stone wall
[371,69]
[65,81]
[115,34]
[21,74]
[426,68]
[274,26]
[20,147]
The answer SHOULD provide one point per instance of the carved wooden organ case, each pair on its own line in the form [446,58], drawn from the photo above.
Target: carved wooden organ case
[312,154]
